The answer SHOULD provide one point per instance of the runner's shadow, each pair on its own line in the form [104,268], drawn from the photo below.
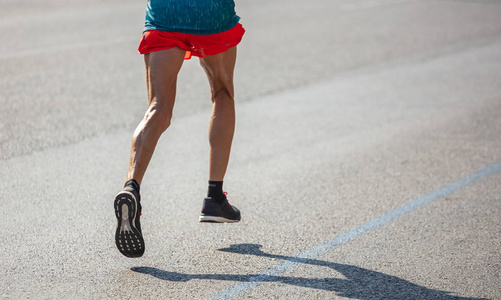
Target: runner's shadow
[359,283]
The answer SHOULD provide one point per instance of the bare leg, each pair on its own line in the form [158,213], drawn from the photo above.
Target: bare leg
[162,68]
[219,69]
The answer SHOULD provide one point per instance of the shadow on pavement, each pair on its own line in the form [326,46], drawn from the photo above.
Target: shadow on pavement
[360,283]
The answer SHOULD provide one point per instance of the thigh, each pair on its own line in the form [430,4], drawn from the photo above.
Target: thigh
[219,69]
[162,68]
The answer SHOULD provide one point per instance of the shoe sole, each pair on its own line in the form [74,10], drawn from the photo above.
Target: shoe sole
[214,219]
[128,239]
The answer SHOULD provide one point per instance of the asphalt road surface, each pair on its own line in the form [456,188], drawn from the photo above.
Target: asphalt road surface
[366,161]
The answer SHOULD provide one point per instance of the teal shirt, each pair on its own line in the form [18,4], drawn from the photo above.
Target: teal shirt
[191,16]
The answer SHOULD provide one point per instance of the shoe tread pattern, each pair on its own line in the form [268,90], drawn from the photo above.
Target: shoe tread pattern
[128,238]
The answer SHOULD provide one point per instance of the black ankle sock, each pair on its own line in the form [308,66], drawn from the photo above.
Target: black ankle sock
[133,184]
[215,190]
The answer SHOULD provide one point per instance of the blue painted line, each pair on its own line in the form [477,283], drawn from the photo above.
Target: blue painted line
[240,289]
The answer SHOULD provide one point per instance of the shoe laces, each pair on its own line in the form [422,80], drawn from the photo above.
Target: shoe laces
[225,193]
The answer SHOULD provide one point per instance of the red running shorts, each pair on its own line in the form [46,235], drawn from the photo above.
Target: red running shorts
[194,44]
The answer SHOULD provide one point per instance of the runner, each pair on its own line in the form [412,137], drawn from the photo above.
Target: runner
[176,30]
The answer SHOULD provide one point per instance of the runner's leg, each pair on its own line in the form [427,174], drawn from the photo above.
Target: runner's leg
[162,68]
[219,69]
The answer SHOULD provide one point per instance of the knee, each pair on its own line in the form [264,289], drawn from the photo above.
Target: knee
[222,95]
[157,119]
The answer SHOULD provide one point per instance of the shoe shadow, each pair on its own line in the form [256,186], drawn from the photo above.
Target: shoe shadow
[359,283]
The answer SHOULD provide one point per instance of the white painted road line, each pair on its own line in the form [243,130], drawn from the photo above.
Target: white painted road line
[342,239]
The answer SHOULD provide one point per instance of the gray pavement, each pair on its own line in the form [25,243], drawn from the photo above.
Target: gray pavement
[346,111]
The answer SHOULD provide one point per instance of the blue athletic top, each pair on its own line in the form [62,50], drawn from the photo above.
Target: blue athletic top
[191,16]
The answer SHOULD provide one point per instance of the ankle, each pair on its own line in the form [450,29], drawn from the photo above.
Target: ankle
[132,184]
[215,190]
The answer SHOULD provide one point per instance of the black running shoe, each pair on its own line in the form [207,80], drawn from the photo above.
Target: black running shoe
[219,212]
[128,237]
